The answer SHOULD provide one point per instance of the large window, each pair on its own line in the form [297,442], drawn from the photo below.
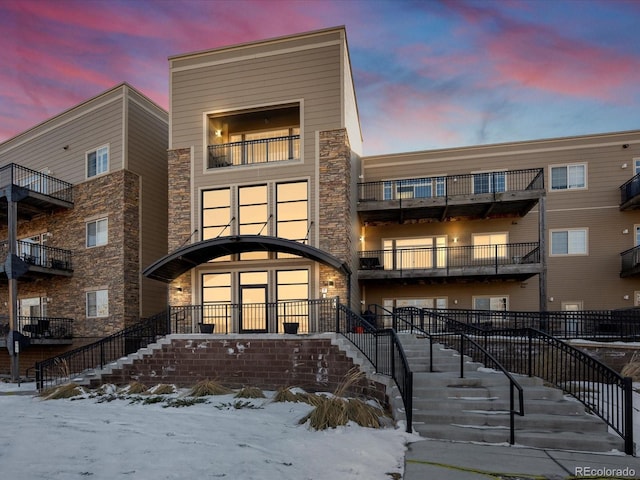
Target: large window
[253,216]
[414,188]
[97,161]
[265,146]
[97,303]
[496,304]
[490,245]
[490,182]
[569,177]
[292,211]
[293,285]
[409,253]
[216,213]
[97,232]
[569,242]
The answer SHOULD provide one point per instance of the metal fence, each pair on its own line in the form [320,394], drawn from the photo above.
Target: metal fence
[630,189]
[53,328]
[40,255]
[604,325]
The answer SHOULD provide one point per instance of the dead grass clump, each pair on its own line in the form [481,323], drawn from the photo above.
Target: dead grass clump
[337,410]
[64,391]
[286,394]
[137,388]
[250,392]
[632,369]
[163,389]
[330,413]
[209,387]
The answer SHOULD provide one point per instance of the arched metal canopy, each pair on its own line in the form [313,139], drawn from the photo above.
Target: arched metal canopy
[185,258]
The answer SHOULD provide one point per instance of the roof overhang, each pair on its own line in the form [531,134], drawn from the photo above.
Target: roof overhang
[185,258]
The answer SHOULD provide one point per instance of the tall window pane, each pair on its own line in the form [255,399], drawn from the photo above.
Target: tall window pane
[216,215]
[253,213]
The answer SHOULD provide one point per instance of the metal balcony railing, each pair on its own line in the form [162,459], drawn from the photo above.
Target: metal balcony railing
[35,181]
[251,152]
[630,262]
[630,189]
[453,185]
[40,255]
[446,258]
[51,328]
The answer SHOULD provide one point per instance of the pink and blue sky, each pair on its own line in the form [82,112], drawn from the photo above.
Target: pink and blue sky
[428,74]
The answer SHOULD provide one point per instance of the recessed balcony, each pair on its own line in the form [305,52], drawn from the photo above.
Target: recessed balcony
[34,191]
[630,194]
[510,193]
[38,260]
[517,261]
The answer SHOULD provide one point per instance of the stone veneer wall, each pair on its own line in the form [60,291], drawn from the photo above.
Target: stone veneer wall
[335,207]
[264,361]
[180,217]
[115,266]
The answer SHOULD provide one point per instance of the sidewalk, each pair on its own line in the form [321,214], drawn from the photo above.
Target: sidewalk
[444,460]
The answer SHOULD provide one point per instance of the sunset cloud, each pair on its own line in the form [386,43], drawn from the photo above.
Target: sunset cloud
[427,74]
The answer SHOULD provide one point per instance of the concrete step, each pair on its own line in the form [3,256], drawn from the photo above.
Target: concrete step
[587,442]
[492,404]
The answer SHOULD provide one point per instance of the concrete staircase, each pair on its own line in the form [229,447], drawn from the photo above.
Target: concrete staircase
[476,408]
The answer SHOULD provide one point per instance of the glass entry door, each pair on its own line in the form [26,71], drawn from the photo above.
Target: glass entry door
[253,309]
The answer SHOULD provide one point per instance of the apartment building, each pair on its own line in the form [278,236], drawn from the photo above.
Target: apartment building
[269,135]
[85,201]
[538,225]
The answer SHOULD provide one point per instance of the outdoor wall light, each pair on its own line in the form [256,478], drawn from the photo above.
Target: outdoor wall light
[218,133]
[624,165]
[626,297]
[625,231]
[626,145]
[362,238]
[66,147]
[551,299]
[455,239]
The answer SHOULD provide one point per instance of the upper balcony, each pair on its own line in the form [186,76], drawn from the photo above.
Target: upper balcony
[39,260]
[515,261]
[630,194]
[39,330]
[254,136]
[34,191]
[506,193]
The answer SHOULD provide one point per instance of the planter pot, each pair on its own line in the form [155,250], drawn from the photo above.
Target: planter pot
[207,327]
[290,327]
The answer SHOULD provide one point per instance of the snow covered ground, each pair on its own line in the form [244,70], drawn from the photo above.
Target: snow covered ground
[67,439]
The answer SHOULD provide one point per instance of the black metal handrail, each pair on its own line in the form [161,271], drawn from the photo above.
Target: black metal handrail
[630,189]
[604,325]
[532,352]
[63,367]
[448,186]
[404,320]
[383,349]
[249,152]
[446,258]
[35,181]
[40,255]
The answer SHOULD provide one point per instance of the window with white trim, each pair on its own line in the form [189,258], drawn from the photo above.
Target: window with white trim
[98,161]
[489,182]
[97,303]
[571,241]
[568,177]
[97,232]
[490,245]
[495,304]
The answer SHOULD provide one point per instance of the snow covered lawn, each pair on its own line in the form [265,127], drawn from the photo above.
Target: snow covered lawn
[66,439]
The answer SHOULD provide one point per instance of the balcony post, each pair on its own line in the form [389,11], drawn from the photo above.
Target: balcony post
[12,220]
[542,249]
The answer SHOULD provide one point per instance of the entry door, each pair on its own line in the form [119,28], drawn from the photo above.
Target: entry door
[253,310]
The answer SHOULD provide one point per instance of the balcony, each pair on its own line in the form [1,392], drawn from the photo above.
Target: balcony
[630,262]
[252,152]
[39,260]
[630,194]
[34,191]
[40,330]
[511,193]
[516,261]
